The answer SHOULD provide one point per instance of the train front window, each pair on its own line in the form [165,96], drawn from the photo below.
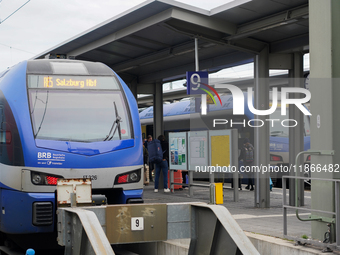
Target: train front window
[81,115]
[278,129]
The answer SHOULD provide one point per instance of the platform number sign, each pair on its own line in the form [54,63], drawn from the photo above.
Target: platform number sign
[196,81]
[137,223]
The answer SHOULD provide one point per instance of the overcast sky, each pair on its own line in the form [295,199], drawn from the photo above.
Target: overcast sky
[42,24]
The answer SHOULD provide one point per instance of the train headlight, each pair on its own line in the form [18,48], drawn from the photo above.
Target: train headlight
[44,178]
[36,179]
[129,177]
[134,177]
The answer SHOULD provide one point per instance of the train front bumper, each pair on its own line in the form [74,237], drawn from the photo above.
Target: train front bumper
[24,213]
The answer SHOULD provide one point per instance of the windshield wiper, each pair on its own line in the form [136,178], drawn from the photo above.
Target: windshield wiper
[43,117]
[116,123]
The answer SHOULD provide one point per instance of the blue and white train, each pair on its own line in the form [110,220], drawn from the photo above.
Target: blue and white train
[64,119]
[185,116]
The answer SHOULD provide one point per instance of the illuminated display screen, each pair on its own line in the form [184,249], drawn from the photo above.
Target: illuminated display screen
[72,82]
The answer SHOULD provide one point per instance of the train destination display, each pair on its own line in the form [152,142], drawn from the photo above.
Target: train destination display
[71,82]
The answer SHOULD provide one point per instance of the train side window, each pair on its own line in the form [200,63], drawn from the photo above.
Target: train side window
[1,116]
[307,125]
[5,137]
[1,125]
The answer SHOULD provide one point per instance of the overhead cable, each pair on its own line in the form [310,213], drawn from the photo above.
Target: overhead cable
[2,21]
[16,48]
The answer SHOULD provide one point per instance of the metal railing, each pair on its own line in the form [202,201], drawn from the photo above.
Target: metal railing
[191,183]
[330,220]
[92,230]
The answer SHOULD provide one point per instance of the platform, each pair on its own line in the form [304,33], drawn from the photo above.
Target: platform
[261,221]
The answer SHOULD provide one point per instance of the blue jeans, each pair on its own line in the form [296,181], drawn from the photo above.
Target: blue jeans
[163,166]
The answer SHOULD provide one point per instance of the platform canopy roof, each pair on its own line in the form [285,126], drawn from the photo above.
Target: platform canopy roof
[154,42]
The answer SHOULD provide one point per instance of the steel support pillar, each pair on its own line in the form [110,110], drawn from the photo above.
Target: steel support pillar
[158,126]
[324,20]
[133,87]
[262,196]
[296,134]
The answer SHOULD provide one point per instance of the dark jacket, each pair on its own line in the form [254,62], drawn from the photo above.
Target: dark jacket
[145,155]
[243,153]
[165,148]
[145,144]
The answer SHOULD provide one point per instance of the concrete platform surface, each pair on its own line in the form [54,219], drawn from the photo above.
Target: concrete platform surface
[267,221]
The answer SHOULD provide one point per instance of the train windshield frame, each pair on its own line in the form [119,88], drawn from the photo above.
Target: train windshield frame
[78,108]
[280,130]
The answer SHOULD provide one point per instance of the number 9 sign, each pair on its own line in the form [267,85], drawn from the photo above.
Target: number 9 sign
[194,80]
[137,223]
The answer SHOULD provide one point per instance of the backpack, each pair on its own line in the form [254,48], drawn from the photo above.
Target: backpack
[249,154]
[155,151]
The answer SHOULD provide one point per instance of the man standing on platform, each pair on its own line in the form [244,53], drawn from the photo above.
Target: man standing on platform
[163,165]
[247,155]
[151,165]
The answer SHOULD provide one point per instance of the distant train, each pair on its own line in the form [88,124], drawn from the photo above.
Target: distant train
[184,116]
[64,119]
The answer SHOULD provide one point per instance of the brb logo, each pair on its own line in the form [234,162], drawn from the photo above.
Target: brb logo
[196,79]
[44,155]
